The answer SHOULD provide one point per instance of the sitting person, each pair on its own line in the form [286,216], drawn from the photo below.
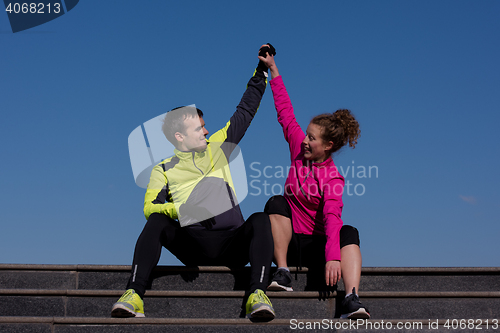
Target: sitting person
[192,210]
[306,220]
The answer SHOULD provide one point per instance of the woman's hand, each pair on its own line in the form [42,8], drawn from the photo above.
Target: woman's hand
[269,62]
[332,272]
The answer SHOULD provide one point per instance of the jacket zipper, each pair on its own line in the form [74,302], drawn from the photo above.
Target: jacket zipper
[194,163]
[305,178]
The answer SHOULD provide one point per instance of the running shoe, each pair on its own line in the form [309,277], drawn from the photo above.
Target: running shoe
[129,305]
[259,307]
[282,280]
[352,307]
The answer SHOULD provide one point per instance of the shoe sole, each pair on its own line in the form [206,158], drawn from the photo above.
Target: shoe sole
[358,314]
[121,311]
[275,286]
[263,313]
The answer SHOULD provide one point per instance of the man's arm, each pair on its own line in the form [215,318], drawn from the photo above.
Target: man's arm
[157,198]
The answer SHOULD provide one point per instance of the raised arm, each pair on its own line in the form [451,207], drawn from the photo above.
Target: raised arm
[286,117]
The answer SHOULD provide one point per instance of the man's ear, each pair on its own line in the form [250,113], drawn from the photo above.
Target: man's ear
[179,136]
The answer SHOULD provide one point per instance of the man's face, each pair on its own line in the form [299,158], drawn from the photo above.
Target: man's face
[194,136]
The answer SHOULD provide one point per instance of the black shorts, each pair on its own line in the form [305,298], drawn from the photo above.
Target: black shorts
[307,250]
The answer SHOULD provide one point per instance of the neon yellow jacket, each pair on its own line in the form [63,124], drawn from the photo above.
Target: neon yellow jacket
[203,179]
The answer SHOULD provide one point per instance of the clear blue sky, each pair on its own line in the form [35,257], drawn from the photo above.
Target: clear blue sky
[422,77]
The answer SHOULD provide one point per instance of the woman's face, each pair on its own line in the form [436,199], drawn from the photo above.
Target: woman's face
[313,146]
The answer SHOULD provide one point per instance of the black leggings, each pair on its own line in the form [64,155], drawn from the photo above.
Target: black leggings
[308,250]
[251,242]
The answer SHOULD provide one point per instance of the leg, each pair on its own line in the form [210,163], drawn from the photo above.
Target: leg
[280,214]
[350,253]
[282,235]
[146,256]
[351,266]
[148,250]
[255,238]
[281,224]
[258,306]
[351,258]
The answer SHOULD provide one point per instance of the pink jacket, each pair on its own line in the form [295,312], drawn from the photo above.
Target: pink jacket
[313,190]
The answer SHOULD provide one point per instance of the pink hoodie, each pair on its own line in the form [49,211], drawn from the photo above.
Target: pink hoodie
[313,190]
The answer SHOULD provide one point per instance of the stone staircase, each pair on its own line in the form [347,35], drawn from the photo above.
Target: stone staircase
[78,298]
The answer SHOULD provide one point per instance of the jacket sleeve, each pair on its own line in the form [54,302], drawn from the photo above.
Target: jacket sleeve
[286,117]
[157,198]
[332,213]
[245,111]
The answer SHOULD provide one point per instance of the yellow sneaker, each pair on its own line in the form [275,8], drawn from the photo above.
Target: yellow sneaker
[259,307]
[129,305]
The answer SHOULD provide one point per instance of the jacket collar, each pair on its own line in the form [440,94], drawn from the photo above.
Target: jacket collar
[326,162]
[183,155]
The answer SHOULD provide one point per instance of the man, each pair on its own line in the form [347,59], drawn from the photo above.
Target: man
[192,209]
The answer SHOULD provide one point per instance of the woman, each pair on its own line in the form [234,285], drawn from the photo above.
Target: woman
[308,215]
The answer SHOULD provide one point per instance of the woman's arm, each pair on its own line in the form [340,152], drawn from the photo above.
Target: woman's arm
[269,61]
[332,216]
[286,117]
[332,212]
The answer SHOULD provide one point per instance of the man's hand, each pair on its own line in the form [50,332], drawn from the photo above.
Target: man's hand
[332,272]
[265,51]
[266,59]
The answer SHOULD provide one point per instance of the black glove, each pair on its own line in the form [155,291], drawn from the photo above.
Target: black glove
[261,67]
[269,49]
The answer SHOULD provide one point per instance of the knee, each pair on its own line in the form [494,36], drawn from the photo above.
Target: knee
[277,201]
[349,235]
[260,222]
[158,222]
[278,205]
[156,218]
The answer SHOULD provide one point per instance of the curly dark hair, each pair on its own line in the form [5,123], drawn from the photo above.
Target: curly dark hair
[339,127]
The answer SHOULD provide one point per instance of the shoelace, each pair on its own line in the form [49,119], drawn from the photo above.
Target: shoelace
[128,296]
[355,299]
[262,297]
[280,272]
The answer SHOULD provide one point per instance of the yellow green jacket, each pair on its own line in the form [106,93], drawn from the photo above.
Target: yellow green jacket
[203,178]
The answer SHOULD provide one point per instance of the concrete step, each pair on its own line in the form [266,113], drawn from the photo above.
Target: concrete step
[145,325]
[78,298]
[133,325]
[226,304]
[98,277]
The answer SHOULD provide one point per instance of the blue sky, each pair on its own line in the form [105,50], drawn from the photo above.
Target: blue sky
[422,77]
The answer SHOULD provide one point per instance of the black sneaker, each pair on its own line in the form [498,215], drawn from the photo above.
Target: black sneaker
[282,280]
[352,307]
